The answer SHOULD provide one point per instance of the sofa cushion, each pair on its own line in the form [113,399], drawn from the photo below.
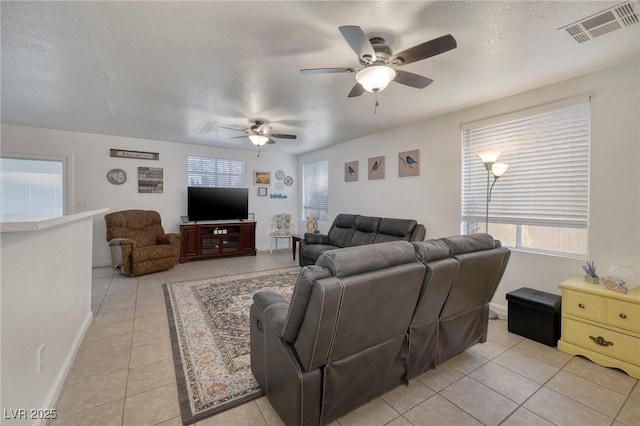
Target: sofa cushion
[394,230]
[365,229]
[427,251]
[313,251]
[469,243]
[356,260]
[141,254]
[342,230]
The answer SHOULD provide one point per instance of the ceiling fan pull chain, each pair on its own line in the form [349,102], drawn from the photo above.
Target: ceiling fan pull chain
[375,108]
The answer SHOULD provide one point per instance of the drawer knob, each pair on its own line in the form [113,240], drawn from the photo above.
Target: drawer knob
[581,305]
[601,341]
[623,315]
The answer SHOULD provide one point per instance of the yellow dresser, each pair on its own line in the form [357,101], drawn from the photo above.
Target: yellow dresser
[601,324]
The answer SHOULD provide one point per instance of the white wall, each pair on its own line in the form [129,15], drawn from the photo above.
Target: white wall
[433,198]
[92,161]
[46,301]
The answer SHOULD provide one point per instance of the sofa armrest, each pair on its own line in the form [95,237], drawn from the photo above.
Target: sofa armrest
[312,238]
[273,308]
[121,242]
[168,238]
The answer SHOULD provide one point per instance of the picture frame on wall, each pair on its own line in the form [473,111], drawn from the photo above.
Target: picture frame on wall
[262,191]
[351,171]
[376,167]
[261,178]
[409,163]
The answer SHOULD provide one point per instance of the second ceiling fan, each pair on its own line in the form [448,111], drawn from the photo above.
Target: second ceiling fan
[378,62]
[260,133]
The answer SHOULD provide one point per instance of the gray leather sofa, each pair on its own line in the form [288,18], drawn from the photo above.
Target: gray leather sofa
[348,230]
[366,319]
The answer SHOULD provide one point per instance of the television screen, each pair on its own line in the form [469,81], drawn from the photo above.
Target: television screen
[217,203]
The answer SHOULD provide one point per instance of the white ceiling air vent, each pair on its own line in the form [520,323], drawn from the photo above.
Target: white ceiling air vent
[604,22]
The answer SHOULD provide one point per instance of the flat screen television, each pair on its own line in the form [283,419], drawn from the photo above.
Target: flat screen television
[217,203]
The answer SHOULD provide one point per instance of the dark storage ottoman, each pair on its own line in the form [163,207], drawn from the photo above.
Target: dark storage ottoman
[535,315]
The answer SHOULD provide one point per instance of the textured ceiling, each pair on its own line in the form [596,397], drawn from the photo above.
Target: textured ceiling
[178,71]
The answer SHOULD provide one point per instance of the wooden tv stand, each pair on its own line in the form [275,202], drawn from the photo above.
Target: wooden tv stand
[214,239]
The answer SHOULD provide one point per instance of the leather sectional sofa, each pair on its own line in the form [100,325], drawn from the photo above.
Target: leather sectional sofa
[365,319]
[348,230]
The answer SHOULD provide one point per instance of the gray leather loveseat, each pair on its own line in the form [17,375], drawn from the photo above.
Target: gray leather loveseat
[348,230]
[366,319]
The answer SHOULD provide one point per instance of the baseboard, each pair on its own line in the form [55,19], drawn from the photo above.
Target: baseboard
[499,309]
[56,389]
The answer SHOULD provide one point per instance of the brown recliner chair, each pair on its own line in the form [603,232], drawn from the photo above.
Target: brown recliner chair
[139,244]
[341,341]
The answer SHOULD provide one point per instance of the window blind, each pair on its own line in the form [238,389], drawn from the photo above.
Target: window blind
[215,172]
[315,186]
[547,183]
[31,189]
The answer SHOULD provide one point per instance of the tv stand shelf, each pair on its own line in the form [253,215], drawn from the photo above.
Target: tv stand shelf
[213,239]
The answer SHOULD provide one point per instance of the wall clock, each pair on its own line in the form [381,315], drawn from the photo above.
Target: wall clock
[117,176]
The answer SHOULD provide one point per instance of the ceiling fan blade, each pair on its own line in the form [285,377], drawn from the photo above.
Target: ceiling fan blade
[358,41]
[327,70]
[411,79]
[426,50]
[357,90]
[239,137]
[231,128]
[270,142]
[282,136]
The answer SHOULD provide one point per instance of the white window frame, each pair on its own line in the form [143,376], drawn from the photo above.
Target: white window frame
[536,143]
[192,175]
[67,176]
[315,181]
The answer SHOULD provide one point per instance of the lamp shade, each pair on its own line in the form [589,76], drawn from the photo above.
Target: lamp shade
[375,78]
[499,169]
[258,140]
[489,156]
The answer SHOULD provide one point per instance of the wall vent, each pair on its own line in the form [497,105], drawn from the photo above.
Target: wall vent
[604,22]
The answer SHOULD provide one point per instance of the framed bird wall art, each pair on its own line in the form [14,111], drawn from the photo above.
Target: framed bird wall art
[376,167]
[351,171]
[409,163]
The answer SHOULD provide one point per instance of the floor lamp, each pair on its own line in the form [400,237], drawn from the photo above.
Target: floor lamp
[497,169]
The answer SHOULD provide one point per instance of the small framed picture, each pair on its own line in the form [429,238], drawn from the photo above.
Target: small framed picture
[251,217]
[262,191]
[262,178]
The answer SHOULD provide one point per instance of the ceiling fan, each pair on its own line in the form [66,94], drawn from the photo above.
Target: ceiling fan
[378,62]
[260,133]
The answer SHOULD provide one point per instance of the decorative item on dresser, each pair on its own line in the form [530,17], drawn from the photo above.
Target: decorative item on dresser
[601,325]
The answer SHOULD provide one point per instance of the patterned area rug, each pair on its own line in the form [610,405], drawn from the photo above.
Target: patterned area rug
[209,327]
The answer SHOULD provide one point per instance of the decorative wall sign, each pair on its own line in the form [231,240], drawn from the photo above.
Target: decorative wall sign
[279,196]
[150,180]
[262,178]
[408,164]
[288,180]
[138,155]
[279,174]
[351,171]
[262,191]
[376,167]
[279,185]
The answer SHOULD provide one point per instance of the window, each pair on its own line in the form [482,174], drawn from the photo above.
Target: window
[203,171]
[31,189]
[315,190]
[542,202]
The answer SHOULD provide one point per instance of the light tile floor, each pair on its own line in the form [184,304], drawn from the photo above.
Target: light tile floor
[124,375]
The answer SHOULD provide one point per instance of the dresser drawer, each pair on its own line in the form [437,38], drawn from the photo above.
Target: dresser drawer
[622,314]
[582,305]
[613,344]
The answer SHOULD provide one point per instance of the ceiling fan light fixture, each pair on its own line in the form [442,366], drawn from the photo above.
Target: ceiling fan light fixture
[375,78]
[258,140]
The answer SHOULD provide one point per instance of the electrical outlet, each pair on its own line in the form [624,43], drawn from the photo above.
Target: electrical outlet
[41,358]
